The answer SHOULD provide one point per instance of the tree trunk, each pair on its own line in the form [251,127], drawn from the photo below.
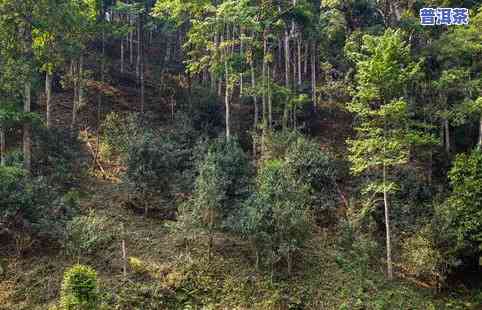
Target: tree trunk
[387,226]
[27,129]
[480,132]
[81,81]
[131,43]
[48,97]
[299,62]
[140,61]
[265,52]
[99,99]
[139,51]
[226,101]
[446,135]
[287,75]
[270,103]
[143,88]
[255,98]
[256,109]
[3,147]
[241,52]
[313,74]
[75,100]
[122,55]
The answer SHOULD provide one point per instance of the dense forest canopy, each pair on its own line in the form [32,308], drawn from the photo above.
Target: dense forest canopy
[147,145]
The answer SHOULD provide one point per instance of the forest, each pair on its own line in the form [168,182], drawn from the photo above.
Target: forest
[240,154]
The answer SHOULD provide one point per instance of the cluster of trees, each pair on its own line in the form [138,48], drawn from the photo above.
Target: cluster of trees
[413,94]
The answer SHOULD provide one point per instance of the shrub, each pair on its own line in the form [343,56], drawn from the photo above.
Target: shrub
[153,162]
[32,208]
[463,209]
[87,234]
[118,132]
[308,163]
[278,143]
[206,112]
[222,176]
[79,289]
[277,218]
[419,254]
[56,156]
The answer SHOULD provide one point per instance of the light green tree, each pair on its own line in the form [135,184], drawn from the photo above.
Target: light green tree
[384,69]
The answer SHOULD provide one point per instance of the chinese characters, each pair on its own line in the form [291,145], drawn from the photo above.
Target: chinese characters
[444,16]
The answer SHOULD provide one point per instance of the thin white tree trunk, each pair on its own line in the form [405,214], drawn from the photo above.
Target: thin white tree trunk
[299,62]
[139,34]
[387,226]
[122,55]
[313,74]
[131,43]
[264,120]
[270,104]
[3,146]
[48,96]
[447,136]
[226,102]
[81,80]
[480,132]
[76,97]
[242,57]
[27,129]
[141,61]
[287,75]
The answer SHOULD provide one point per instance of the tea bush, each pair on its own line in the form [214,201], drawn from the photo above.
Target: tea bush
[30,206]
[87,234]
[79,289]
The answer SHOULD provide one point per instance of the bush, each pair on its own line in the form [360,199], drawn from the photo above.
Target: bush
[118,132]
[276,218]
[463,209]
[278,143]
[30,207]
[153,163]
[419,254]
[56,157]
[79,289]
[206,112]
[308,163]
[87,234]
[221,181]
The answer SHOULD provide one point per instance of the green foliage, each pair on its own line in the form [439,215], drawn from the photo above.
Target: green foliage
[221,182]
[209,193]
[118,132]
[205,112]
[30,206]
[420,255]
[309,164]
[277,143]
[277,218]
[56,156]
[153,162]
[384,131]
[87,234]
[79,289]
[462,210]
